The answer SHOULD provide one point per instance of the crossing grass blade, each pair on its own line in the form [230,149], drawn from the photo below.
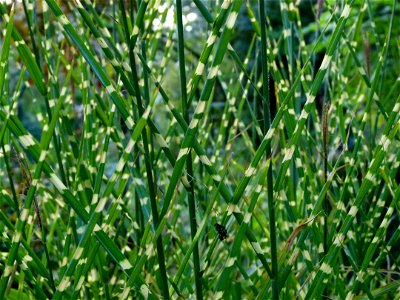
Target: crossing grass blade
[180,149]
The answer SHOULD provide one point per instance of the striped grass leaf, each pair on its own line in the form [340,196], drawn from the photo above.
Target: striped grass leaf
[105,80]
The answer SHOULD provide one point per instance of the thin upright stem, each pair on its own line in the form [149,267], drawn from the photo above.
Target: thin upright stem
[148,164]
[268,153]
[189,164]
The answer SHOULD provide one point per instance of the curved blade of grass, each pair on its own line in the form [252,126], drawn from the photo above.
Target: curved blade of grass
[27,57]
[367,183]
[5,49]
[27,140]
[34,150]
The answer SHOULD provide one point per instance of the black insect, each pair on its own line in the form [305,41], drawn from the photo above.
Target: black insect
[222,233]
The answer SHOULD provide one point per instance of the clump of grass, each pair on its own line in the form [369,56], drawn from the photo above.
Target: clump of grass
[168,162]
